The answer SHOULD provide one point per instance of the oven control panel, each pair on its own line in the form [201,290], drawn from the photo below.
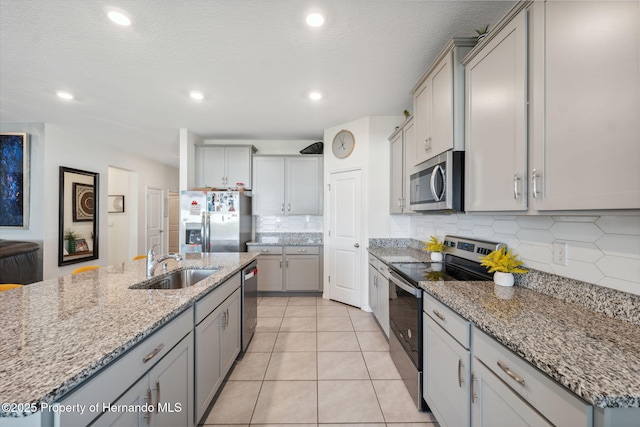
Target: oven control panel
[467,248]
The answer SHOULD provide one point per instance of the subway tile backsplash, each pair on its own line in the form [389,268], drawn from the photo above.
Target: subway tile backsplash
[288,224]
[603,250]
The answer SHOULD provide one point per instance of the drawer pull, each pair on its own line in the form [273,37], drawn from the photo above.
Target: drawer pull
[473,393]
[439,315]
[508,371]
[158,395]
[153,353]
[149,406]
[266,250]
[302,250]
[460,366]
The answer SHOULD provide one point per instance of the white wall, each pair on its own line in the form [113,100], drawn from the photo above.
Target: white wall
[54,146]
[603,250]
[123,226]
[371,155]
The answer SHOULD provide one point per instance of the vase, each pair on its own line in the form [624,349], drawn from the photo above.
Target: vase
[503,279]
[436,256]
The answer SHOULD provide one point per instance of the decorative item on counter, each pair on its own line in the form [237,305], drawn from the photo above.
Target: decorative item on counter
[503,264]
[482,31]
[71,236]
[436,247]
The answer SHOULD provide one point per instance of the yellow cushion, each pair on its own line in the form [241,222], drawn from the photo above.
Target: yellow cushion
[7,286]
[85,268]
[137,257]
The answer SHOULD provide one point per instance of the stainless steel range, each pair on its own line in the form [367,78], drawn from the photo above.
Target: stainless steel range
[461,263]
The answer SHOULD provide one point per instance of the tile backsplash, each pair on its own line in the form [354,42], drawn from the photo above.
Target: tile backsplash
[603,250]
[288,223]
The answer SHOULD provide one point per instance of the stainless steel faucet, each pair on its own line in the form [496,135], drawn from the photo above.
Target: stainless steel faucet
[152,262]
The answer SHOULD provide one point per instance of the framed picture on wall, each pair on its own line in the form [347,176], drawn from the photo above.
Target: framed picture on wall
[116,203]
[83,206]
[14,180]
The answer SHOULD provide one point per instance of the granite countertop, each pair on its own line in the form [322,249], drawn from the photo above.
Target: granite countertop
[287,239]
[54,334]
[593,355]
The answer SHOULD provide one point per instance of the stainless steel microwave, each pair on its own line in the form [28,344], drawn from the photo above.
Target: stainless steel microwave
[438,183]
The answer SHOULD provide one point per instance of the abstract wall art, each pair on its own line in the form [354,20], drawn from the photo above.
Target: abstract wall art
[14,180]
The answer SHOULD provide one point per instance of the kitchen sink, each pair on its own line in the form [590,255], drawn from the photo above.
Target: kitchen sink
[176,280]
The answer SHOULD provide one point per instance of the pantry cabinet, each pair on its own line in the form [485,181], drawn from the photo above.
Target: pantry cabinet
[496,121]
[223,166]
[438,103]
[289,268]
[552,110]
[287,185]
[403,143]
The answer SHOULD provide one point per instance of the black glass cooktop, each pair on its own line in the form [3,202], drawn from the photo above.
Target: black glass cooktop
[437,271]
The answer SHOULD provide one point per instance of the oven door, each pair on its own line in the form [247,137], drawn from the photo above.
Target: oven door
[405,317]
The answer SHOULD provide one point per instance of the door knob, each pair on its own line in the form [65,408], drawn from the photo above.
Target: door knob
[356,245]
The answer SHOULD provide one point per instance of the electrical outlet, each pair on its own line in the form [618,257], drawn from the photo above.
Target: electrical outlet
[560,253]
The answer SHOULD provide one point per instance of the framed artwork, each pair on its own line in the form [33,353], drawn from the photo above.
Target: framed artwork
[116,203]
[82,200]
[14,180]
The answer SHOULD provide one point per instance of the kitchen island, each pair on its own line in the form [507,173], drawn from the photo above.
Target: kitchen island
[593,355]
[59,333]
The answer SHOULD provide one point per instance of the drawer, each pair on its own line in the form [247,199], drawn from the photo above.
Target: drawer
[373,261]
[453,323]
[114,379]
[213,299]
[383,269]
[302,250]
[267,250]
[555,402]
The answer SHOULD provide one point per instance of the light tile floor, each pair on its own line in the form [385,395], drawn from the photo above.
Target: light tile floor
[315,362]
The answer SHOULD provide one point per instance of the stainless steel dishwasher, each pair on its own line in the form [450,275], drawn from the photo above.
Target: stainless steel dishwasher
[249,303]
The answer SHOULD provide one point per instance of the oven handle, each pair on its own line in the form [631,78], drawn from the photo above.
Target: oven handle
[404,285]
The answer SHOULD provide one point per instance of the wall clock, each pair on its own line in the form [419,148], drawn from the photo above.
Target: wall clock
[343,144]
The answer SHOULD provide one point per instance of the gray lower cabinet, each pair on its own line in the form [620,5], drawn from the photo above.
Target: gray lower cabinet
[217,341]
[379,292]
[166,393]
[158,372]
[447,363]
[289,268]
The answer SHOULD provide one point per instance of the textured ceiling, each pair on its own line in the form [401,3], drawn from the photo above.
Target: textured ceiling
[255,60]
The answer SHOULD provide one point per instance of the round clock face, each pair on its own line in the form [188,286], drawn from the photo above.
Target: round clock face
[343,144]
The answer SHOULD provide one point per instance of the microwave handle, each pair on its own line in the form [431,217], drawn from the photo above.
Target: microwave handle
[438,197]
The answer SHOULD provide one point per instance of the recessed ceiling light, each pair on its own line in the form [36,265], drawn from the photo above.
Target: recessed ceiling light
[64,95]
[119,18]
[315,19]
[315,96]
[196,95]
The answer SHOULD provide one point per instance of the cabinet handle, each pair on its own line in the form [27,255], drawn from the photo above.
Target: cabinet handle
[399,203]
[289,207]
[515,186]
[473,393]
[286,263]
[508,371]
[153,353]
[266,250]
[149,406]
[439,315]
[302,250]
[224,319]
[158,395]
[280,264]
[460,366]
[227,317]
[534,184]
[375,281]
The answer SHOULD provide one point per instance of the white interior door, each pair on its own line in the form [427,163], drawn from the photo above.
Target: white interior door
[345,228]
[155,219]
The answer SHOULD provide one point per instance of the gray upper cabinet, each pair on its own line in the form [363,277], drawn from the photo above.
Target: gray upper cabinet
[403,143]
[586,105]
[287,185]
[223,166]
[438,103]
[552,110]
[496,122]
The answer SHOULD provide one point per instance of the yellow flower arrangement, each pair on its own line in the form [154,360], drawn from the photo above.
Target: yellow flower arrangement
[503,261]
[434,245]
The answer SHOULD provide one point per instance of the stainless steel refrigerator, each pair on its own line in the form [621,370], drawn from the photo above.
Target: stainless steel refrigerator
[214,221]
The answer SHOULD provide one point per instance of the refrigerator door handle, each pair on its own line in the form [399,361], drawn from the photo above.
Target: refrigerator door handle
[203,231]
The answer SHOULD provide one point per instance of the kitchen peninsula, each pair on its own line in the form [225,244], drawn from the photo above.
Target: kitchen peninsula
[57,335]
